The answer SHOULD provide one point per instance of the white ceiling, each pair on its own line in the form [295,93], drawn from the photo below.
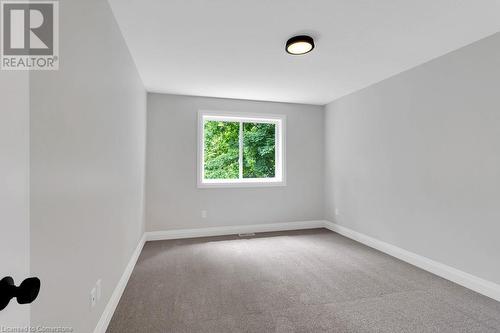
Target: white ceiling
[235,48]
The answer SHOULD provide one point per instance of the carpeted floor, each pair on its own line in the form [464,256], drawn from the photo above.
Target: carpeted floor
[296,281]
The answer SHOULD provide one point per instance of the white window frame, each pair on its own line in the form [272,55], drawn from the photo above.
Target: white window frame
[280,138]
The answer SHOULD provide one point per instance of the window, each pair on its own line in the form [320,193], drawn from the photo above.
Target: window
[240,150]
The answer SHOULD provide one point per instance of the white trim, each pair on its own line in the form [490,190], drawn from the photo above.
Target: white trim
[232,230]
[280,139]
[245,182]
[232,115]
[462,278]
[110,308]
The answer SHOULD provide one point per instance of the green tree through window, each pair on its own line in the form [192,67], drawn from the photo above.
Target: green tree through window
[222,150]
[258,150]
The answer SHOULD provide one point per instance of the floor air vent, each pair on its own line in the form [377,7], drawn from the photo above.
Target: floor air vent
[247,234]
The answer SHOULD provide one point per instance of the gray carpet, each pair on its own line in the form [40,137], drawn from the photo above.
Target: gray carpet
[296,281]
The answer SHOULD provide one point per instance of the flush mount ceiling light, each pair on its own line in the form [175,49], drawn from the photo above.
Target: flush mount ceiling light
[298,45]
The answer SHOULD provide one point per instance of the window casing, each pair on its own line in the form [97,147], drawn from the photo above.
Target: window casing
[239,172]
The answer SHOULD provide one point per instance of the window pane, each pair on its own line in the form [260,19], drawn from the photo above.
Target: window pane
[258,150]
[221,150]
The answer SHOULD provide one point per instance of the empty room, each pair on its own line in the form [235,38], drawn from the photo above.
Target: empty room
[177,166]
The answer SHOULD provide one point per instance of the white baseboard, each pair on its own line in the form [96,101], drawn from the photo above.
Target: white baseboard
[232,230]
[464,279]
[110,308]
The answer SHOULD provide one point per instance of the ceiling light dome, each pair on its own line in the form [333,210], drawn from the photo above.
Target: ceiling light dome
[298,45]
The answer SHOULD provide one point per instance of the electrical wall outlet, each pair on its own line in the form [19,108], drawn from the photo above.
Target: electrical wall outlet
[204,214]
[93,297]
[337,211]
[98,286]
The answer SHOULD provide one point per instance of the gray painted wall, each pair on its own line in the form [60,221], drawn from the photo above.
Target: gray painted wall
[14,188]
[414,160]
[174,202]
[87,167]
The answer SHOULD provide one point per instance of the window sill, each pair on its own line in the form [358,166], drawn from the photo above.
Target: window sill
[241,184]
